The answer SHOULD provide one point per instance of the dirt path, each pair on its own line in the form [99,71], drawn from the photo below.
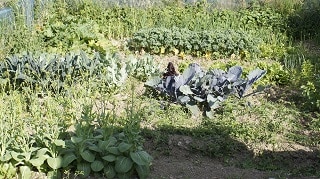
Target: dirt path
[176,161]
[187,165]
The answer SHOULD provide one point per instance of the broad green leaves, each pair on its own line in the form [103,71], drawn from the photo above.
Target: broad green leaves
[55,162]
[76,139]
[97,166]
[141,157]
[25,172]
[68,159]
[59,143]
[143,171]
[37,162]
[109,171]
[84,168]
[123,164]
[115,156]
[87,155]
[123,147]
[109,158]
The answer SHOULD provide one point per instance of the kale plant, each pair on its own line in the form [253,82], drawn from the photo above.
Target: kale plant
[198,43]
[53,72]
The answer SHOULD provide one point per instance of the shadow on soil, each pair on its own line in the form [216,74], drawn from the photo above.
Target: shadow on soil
[216,144]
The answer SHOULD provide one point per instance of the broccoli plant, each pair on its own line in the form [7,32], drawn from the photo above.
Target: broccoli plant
[210,88]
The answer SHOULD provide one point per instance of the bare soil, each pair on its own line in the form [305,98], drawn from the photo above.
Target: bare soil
[178,160]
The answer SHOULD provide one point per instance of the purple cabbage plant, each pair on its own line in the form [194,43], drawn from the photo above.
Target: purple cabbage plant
[197,86]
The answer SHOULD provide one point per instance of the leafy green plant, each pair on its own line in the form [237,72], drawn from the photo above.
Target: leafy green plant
[46,73]
[71,33]
[49,72]
[303,23]
[224,42]
[310,85]
[29,158]
[114,156]
[276,73]
[7,170]
[88,26]
[142,68]
[98,149]
[95,147]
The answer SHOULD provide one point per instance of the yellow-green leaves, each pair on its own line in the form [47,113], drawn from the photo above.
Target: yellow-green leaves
[55,162]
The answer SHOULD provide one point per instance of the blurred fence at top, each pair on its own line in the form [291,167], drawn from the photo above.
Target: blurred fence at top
[26,8]
[145,3]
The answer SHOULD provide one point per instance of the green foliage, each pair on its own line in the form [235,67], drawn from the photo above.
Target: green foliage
[51,133]
[275,51]
[285,7]
[223,42]
[123,20]
[303,24]
[276,74]
[14,40]
[95,146]
[7,170]
[95,153]
[262,18]
[49,72]
[71,33]
[88,25]
[310,80]
[142,68]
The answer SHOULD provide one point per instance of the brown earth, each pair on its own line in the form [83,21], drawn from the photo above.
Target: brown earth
[178,160]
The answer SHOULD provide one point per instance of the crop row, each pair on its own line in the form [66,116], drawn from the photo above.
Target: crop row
[54,72]
[223,42]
